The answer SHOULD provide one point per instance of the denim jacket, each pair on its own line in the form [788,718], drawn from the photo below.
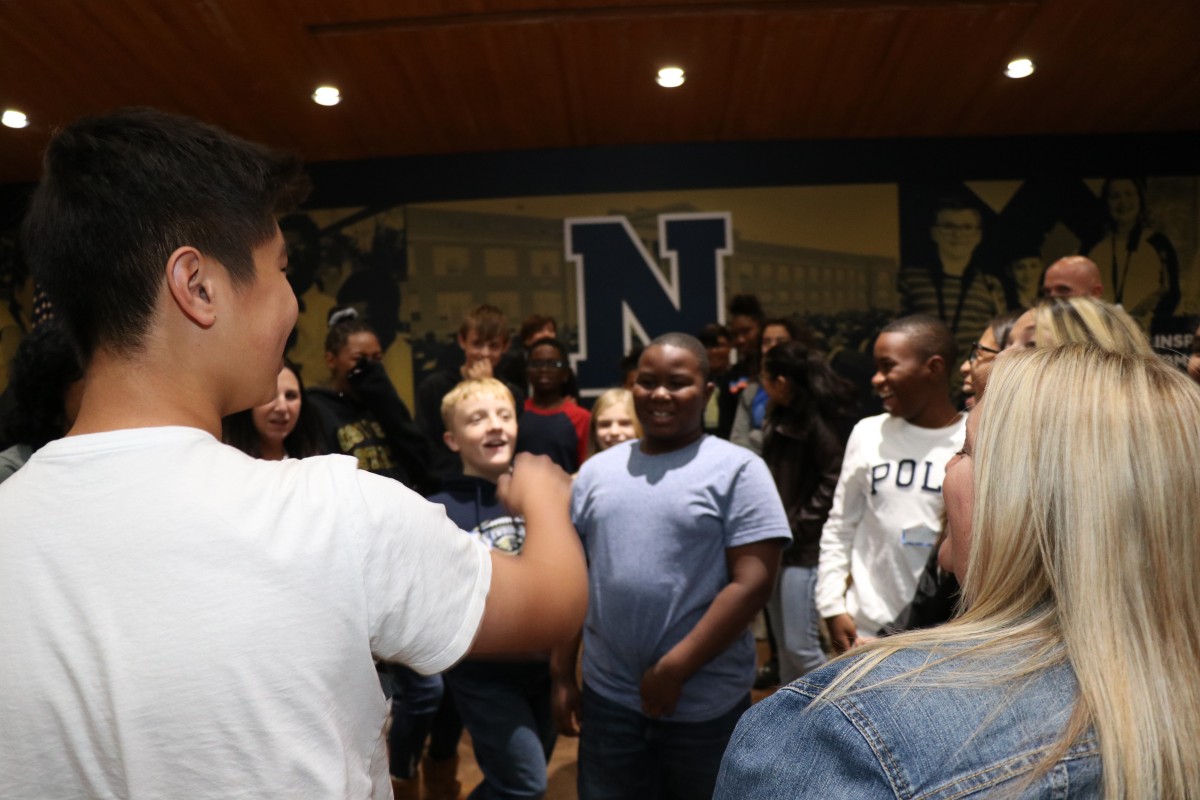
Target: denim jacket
[910,740]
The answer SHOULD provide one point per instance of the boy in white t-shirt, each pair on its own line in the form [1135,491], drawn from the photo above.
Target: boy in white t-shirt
[888,504]
[178,619]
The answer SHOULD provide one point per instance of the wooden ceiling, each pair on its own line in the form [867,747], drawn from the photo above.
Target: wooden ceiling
[455,76]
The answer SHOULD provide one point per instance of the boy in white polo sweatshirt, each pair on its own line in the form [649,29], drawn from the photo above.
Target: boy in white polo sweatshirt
[888,504]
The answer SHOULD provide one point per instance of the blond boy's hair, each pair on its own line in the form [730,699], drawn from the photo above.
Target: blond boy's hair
[465,389]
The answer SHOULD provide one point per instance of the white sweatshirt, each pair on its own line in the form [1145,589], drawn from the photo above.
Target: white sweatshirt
[886,515]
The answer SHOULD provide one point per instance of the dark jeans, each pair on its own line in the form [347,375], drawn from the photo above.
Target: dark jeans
[415,701]
[506,709]
[626,755]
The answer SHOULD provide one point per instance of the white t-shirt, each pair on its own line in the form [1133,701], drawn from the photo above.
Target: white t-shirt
[886,515]
[178,619]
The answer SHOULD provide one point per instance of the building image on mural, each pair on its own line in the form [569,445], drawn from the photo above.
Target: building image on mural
[845,258]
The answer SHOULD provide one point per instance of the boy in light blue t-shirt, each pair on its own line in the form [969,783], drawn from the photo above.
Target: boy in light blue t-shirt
[683,534]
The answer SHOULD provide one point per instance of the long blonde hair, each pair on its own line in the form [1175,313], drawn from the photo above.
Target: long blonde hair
[1086,548]
[1060,320]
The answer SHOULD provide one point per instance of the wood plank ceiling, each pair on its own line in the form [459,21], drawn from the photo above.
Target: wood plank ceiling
[448,76]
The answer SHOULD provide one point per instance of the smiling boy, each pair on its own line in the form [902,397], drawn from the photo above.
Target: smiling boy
[483,339]
[888,503]
[504,705]
[683,534]
[179,619]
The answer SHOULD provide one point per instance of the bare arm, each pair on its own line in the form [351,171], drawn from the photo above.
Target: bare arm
[537,599]
[565,698]
[752,569]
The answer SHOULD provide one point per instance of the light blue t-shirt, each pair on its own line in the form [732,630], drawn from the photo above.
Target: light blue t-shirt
[655,530]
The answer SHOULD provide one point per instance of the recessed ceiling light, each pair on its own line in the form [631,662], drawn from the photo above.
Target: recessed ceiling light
[327,96]
[1021,68]
[14,119]
[670,77]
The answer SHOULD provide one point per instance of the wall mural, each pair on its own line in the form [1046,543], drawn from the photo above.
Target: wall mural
[616,269]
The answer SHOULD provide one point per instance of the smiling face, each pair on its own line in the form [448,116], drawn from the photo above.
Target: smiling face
[614,425]
[902,376]
[958,489]
[276,420]
[669,396]
[1124,203]
[484,433]
[957,233]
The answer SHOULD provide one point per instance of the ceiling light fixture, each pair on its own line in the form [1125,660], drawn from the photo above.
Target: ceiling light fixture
[14,119]
[327,96]
[670,77]
[1020,68]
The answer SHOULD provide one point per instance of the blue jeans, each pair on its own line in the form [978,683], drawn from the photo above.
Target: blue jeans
[506,709]
[415,701]
[795,623]
[625,754]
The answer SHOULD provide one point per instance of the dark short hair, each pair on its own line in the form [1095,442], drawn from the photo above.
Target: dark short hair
[816,388]
[341,331]
[685,342]
[746,305]
[120,192]
[712,333]
[557,344]
[929,335]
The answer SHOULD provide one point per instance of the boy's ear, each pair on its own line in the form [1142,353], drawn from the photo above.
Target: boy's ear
[709,387]
[191,282]
[448,438]
[936,366]
[462,341]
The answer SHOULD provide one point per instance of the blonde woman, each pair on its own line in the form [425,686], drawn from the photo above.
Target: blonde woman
[1059,320]
[1074,670]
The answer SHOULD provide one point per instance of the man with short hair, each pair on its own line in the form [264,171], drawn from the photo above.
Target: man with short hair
[179,619]
[1073,276]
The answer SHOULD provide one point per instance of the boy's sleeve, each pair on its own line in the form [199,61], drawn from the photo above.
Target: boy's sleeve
[837,537]
[425,582]
[583,423]
[755,511]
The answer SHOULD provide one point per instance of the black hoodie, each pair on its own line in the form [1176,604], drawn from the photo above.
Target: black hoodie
[472,505]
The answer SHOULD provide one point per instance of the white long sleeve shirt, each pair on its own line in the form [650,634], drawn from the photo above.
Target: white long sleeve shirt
[887,511]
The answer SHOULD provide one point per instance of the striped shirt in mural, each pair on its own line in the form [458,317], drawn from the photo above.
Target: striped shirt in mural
[966,312]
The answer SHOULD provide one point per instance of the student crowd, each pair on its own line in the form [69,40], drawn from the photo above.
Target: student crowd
[195,601]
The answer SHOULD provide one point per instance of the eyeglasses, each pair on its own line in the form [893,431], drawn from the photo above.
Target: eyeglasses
[950,227]
[976,347]
[547,364]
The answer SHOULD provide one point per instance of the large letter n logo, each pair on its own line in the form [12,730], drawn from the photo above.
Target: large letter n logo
[622,292]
